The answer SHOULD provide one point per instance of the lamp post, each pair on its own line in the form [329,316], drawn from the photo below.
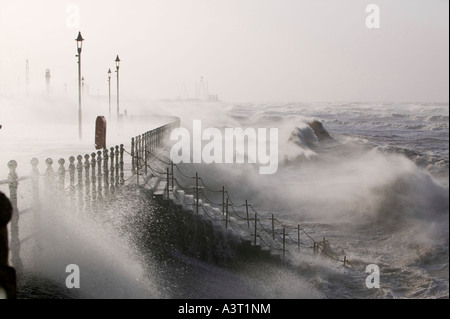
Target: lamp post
[79,40]
[117,71]
[109,92]
[82,86]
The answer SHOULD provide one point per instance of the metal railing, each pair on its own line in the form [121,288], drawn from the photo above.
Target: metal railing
[92,179]
[262,229]
[86,181]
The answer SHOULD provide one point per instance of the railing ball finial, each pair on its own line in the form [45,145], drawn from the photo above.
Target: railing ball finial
[12,165]
[34,162]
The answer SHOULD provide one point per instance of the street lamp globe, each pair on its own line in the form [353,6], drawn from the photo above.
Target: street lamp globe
[79,40]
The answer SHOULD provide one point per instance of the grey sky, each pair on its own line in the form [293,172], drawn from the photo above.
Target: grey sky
[249,50]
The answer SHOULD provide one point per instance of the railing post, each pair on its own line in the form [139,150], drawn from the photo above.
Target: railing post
[137,160]
[35,176]
[226,216]
[246,210]
[80,180]
[167,183]
[99,176]
[284,242]
[153,139]
[72,178]
[106,171]
[145,155]
[298,236]
[117,167]
[273,227]
[35,181]
[13,181]
[62,175]
[141,139]
[196,189]
[256,228]
[87,180]
[111,154]
[49,177]
[149,141]
[122,150]
[345,260]
[137,154]
[93,177]
[173,176]
[132,156]
[145,141]
[223,200]
[158,136]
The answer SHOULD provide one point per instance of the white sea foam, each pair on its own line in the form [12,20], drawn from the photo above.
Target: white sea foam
[379,191]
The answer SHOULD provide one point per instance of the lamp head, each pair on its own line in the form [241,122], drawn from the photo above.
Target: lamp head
[117,62]
[79,40]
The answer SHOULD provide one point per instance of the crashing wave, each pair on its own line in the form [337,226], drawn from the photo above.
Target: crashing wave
[308,137]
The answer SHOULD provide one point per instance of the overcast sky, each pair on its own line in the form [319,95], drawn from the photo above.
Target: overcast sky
[248,50]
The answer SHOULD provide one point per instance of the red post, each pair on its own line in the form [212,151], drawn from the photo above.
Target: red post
[100,133]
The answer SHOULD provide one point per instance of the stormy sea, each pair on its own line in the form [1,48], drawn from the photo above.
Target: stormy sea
[373,178]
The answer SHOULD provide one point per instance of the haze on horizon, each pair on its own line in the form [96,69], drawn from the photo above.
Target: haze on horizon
[248,50]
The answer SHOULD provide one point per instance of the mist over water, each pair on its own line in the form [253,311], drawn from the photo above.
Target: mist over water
[379,187]
[371,178]
[378,190]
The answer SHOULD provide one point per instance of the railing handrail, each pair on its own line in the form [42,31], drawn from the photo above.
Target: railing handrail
[140,155]
[100,174]
[88,178]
